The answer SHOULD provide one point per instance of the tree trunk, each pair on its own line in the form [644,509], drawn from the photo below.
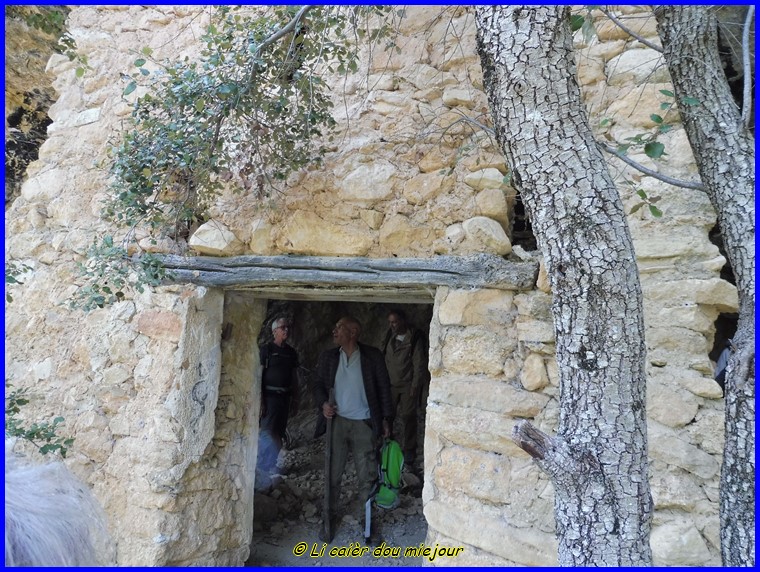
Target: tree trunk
[598,460]
[724,149]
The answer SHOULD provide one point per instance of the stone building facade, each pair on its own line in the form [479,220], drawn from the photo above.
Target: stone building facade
[164,407]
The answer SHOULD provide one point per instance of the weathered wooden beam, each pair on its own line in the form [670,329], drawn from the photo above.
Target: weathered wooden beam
[392,275]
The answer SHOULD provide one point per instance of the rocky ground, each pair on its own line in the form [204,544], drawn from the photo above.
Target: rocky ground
[288,516]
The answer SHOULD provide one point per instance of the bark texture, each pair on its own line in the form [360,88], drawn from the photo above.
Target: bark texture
[725,153]
[598,460]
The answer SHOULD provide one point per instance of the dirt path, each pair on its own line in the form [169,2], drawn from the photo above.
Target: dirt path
[287,518]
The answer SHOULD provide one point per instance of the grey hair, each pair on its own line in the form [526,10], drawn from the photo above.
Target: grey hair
[51,518]
[282,320]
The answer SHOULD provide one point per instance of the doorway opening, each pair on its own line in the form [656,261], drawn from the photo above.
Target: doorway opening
[288,508]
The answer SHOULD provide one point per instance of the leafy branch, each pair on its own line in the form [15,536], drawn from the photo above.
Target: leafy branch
[51,20]
[42,435]
[250,110]
[109,270]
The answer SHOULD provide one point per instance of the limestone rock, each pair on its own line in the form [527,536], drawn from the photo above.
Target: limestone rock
[261,237]
[423,76]
[422,188]
[702,386]
[476,349]
[533,331]
[542,282]
[642,25]
[480,474]
[483,234]
[665,445]
[712,292]
[634,105]
[160,324]
[485,179]
[590,70]
[636,67]
[487,395]
[678,543]
[306,232]
[458,425]
[399,237]
[368,183]
[437,158]
[671,407]
[454,97]
[533,376]
[675,489]
[216,239]
[690,243]
[472,307]
[493,204]
[372,218]
[527,547]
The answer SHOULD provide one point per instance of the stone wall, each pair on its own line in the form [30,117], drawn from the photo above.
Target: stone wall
[163,405]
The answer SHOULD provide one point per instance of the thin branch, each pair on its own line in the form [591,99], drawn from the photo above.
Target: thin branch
[630,32]
[747,96]
[289,27]
[664,178]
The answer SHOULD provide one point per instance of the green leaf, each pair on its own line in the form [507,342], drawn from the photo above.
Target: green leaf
[140,62]
[667,93]
[130,88]
[604,122]
[691,101]
[636,208]
[80,71]
[654,149]
[147,51]
[656,118]
[655,211]
[666,105]
[576,22]
[200,103]
[641,193]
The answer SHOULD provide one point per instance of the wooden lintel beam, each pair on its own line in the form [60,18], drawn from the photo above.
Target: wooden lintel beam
[256,272]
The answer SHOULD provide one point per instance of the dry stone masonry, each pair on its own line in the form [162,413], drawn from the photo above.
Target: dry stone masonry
[161,392]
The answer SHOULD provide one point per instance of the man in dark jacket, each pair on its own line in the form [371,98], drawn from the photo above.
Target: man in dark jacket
[363,410]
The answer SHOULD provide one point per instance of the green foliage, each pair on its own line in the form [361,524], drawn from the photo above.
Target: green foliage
[12,272]
[252,105]
[42,435]
[244,106]
[109,270]
[646,201]
[648,141]
[52,21]
[585,23]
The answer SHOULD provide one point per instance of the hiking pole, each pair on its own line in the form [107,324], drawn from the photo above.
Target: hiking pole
[368,504]
[327,520]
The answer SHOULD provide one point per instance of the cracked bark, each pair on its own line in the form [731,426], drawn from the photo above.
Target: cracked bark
[598,459]
[724,149]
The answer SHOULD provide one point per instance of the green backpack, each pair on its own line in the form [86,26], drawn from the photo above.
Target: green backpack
[391,465]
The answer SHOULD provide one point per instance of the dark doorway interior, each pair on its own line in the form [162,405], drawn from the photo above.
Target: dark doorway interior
[289,509]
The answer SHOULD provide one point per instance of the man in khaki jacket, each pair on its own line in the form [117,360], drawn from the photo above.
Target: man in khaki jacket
[406,360]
